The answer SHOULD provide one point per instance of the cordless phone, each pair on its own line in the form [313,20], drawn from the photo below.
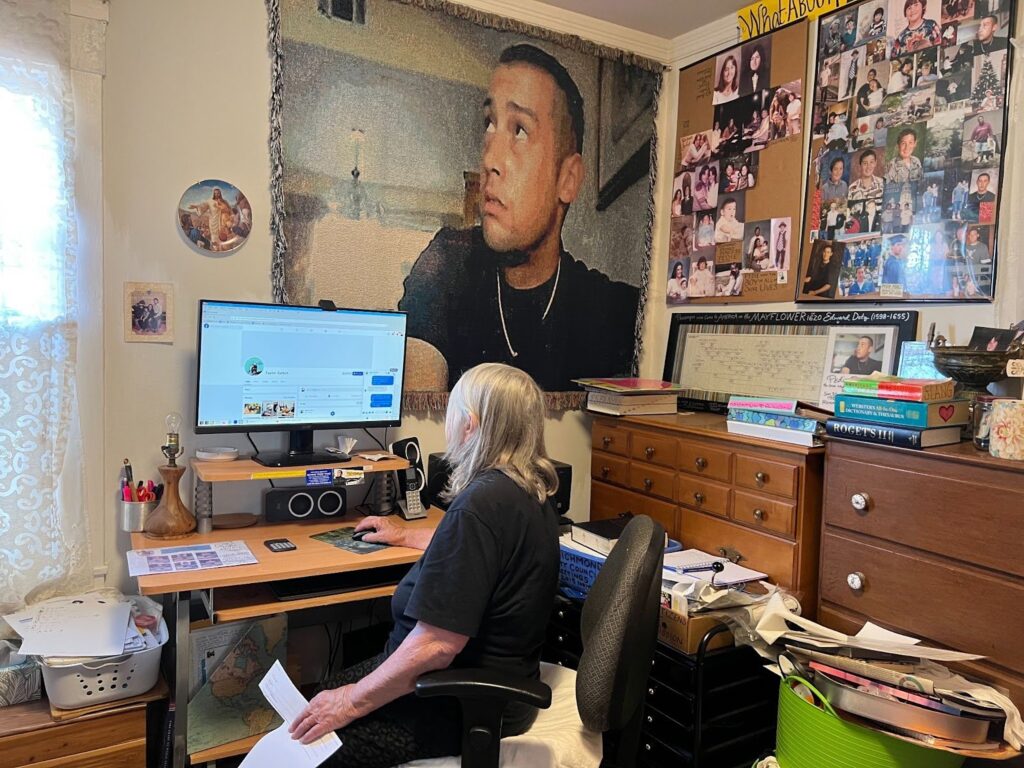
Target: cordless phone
[411,507]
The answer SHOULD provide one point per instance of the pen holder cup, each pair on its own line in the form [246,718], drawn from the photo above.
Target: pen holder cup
[133,514]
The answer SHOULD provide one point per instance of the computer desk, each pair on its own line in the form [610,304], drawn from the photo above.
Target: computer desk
[242,592]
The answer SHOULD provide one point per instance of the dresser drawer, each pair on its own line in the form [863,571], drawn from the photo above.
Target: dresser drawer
[653,480]
[666,729]
[759,551]
[610,438]
[764,512]
[665,513]
[761,474]
[967,521]
[610,468]
[702,494]
[953,606]
[700,459]
[608,501]
[655,449]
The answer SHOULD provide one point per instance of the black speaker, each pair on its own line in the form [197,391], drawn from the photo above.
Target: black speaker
[439,470]
[409,448]
[293,505]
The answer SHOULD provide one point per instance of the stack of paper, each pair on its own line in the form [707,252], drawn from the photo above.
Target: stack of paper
[84,625]
[688,559]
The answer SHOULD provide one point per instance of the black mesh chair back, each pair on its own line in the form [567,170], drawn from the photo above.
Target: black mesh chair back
[619,628]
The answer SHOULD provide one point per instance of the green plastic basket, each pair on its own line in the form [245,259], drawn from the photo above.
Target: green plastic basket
[810,737]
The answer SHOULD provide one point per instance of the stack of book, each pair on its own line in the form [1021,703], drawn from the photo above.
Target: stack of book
[788,421]
[906,413]
[630,397]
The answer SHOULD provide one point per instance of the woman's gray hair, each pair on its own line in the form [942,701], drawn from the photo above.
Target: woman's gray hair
[508,408]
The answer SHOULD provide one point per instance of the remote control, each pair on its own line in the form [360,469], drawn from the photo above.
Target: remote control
[279,545]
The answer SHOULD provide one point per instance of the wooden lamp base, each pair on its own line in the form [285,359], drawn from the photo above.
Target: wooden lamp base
[171,519]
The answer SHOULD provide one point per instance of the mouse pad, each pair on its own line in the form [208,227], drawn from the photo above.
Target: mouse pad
[342,539]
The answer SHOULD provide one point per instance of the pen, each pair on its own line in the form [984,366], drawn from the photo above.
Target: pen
[715,565]
[130,480]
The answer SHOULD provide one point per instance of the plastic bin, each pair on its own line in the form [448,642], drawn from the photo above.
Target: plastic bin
[810,737]
[103,679]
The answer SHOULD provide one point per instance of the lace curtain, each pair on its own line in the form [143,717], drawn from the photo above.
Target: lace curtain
[43,544]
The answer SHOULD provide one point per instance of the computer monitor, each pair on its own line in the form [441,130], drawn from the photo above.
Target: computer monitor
[273,367]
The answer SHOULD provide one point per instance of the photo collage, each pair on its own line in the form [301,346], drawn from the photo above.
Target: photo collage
[740,131]
[906,150]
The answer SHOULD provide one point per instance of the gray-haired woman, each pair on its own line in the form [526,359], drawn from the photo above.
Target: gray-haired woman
[478,597]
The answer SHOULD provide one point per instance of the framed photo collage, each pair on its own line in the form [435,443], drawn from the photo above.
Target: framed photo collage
[908,134]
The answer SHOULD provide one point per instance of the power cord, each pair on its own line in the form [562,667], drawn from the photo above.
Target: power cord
[253,444]
[372,437]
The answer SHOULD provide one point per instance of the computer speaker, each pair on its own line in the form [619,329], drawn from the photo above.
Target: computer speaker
[409,449]
[439,470]
[295,505]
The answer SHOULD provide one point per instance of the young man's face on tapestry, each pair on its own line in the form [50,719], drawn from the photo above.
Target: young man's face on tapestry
[530,170]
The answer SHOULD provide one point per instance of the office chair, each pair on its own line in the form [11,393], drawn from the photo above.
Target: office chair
[619,628]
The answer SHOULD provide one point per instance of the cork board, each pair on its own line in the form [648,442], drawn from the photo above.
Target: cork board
[738,173]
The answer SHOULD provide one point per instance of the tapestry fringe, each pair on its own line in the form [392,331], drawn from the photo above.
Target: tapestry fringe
[278,285]
[437,402]
[504,24]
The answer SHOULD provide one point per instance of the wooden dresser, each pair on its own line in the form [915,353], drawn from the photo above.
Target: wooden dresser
[756,500]
[929,543]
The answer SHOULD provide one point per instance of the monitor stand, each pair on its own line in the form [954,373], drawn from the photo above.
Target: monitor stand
[299,454]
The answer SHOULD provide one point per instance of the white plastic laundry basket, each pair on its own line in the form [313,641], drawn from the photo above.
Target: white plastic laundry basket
[104,679]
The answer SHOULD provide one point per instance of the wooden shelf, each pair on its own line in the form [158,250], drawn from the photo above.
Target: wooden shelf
[224,751]
[254,601]
[247,469]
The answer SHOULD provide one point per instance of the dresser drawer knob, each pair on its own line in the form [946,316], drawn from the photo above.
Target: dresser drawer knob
[860,502]
[561,639]
[605,471]
[701,462]
[606,441]
[648,483]
[698,497]
[650,691]
[649,452]
[650,719]
[647,746]
[760,514]
[856,581]
[760,478]
[561,613]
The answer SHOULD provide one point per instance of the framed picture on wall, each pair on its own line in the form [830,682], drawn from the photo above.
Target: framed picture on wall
[149,312]
[904,186]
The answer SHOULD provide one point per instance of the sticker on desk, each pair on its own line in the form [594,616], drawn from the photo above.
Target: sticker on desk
[319,477]
[1015,369]
[348,476]
[194,557]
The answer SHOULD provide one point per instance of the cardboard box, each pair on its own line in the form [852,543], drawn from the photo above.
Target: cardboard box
[684,633]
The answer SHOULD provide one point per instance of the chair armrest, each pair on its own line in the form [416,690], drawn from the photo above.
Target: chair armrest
[484,684]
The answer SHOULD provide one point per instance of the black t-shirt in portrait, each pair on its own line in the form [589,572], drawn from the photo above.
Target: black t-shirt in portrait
[490,572]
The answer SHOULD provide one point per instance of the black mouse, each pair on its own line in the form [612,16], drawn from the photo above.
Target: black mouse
[358,535]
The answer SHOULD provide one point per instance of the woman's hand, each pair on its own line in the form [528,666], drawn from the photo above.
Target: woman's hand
[328,711]
[387,531]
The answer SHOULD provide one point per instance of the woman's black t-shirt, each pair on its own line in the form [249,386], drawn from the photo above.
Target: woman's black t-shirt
[490,572]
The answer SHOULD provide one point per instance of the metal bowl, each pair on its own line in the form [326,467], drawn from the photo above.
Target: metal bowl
[974,369]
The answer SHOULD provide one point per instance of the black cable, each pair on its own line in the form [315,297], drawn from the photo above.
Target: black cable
[249,437]
[378,442]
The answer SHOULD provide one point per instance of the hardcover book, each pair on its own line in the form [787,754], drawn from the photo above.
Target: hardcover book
[766,404]
[900,437]
[622,398]
[766,432]
[895,388]
[629,385]
[782,420]
[902,413]
[599,535]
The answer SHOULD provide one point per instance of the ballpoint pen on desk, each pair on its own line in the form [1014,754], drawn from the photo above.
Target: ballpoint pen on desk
[713,565]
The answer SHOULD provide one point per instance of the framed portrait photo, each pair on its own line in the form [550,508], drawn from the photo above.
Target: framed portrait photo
[905,177]
[149,312]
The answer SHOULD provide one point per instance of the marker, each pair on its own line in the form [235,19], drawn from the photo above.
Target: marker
[129,479]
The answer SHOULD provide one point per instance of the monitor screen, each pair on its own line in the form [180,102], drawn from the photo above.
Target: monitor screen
[277,367]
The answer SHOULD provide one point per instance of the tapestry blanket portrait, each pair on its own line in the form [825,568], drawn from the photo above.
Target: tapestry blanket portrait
[492,180]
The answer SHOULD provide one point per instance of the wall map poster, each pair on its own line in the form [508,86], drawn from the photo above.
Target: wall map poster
[908,134]
[736,186]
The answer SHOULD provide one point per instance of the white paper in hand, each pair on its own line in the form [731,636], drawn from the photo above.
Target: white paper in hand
[278,748]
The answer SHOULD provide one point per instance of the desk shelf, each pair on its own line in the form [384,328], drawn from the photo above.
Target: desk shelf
[247,469]
[255,601]
[224,751]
